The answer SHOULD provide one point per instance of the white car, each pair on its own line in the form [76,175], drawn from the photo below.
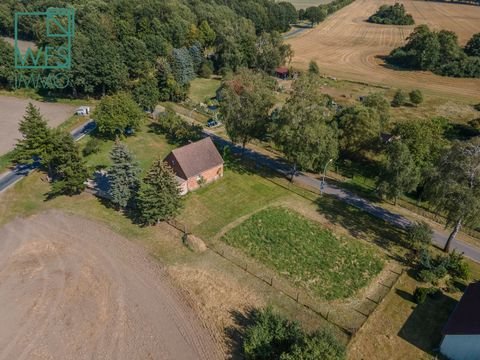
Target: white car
[82,111]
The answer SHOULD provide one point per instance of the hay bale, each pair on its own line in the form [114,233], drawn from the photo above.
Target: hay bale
[195,243]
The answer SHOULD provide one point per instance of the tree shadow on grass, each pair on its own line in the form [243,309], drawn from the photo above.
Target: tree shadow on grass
[361,224]
[423,327]
[235,333]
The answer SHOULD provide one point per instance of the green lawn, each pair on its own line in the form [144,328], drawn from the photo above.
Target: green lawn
[307,254]
[216,205]
[203,88]
[145,145]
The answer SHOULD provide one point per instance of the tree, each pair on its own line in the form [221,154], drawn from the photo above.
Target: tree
[35,140]
[400,173]
[178,130]
[270,52]
[416,97]
[399,99]
[123,176]
[315,14]
[419,235]
[319,345]
[7,73]
[377,101]
[454,188]
[245,102]
[359,126]
[473,45]
[206,34]
[159,196]
[304,129]
[146,93]
[313,68]
[271,336]
[182,66]
[115,113]
[65,165]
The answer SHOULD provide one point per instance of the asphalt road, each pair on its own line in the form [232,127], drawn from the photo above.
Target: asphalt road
[439,238]
[9,178]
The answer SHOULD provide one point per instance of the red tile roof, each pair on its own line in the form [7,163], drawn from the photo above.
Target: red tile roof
[465,319]
[193,159]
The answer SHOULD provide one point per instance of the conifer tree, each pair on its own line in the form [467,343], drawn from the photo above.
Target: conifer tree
[35,137]
[65,165]
[123,176]
[159,196]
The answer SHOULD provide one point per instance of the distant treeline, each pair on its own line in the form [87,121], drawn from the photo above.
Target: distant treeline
[156,46]
[392,15]
[438,52]
[469,2]
[316,14]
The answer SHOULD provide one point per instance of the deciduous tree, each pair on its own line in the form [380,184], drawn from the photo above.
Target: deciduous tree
[245,101]
[454,188]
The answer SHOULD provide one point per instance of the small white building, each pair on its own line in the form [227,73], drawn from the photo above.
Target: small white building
[461,334]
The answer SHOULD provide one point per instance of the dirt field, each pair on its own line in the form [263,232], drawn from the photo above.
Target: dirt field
[346,46]
[12,110]
[71,288]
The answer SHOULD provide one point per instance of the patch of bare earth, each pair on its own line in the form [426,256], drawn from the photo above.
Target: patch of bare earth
[347,46]
[12,110]
[70,288]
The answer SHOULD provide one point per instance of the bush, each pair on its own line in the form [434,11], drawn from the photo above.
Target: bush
[399,99]
[272,337]
[392,15]
[206,69]
[177,130]
[416,97]
[313,68]
[477,107]
[419,235]
[420,294]
[91,147]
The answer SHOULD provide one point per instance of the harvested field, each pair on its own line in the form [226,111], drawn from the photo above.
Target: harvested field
[12,110]
[71,288]
[346,46]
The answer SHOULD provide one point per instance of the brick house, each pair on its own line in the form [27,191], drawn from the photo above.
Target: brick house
[196,164]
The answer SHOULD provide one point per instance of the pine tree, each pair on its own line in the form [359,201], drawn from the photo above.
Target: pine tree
[123,176]
[65,165]
[159,197]
[35,137]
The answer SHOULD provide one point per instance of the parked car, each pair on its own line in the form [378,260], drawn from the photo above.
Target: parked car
[212,123]
[83,111]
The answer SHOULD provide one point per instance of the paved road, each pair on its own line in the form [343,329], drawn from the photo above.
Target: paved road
[9,178]
[439,238]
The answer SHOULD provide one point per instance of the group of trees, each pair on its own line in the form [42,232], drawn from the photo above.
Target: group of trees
[392,15]
[316,14]
[155,198]
[155,48]
[438,52]
[53,150]
[272,337]
[310,130]
[400,98]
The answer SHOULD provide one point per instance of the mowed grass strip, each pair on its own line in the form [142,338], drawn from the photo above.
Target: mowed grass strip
[307,254]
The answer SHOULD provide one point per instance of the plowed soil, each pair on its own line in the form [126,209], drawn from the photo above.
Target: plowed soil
[345,45]
[72,289]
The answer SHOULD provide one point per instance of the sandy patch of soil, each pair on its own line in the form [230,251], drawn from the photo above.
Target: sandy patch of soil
[72,289]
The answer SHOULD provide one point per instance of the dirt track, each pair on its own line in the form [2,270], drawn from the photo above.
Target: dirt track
[12,110]
[72,289]
[346,46]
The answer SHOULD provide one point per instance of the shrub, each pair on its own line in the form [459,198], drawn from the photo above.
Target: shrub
[416,97]
[420,294]
[419,235]
[399,99]
[271,336]
[313,68]
[91,147]
[477,107]
[206,69]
